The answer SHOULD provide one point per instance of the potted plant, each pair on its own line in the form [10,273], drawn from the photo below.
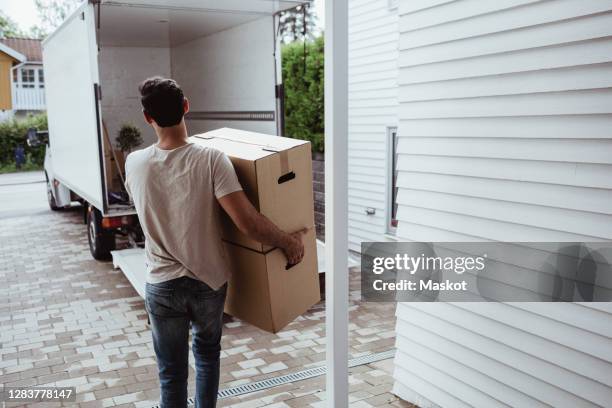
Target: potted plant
[128,138]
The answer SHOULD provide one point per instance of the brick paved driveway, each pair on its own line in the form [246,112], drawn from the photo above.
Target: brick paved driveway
[68,320]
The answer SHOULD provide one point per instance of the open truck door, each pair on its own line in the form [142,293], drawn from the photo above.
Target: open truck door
[71,80]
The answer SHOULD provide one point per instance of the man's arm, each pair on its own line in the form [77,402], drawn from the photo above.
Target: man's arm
[256,226]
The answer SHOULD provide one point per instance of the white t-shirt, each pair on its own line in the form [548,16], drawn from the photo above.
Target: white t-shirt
[175,193]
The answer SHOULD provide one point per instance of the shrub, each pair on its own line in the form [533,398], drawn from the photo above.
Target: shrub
[13,133]
[304,103]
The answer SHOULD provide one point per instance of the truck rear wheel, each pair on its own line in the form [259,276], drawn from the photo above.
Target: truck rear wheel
[50,197]
[101,242]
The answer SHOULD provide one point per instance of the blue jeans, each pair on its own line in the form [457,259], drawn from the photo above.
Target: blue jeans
[172,306]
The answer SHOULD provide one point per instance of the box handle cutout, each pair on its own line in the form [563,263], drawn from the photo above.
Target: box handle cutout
[286,177]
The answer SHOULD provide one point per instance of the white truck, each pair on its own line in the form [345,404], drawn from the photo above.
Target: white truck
[224,53]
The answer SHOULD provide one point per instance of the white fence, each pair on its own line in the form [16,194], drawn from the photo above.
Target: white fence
[28,98]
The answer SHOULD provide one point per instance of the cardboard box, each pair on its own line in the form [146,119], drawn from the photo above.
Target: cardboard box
[264,293]
[276,175]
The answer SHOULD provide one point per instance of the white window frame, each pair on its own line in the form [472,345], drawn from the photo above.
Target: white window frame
[31,85]
[36,84]
[391,137]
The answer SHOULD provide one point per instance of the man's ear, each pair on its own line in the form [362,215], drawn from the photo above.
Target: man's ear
[148,118]
[185,105]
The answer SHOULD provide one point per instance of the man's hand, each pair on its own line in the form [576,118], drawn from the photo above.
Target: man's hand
[256,226]
[294,251]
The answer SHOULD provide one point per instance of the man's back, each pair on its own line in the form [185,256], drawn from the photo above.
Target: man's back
[175,193]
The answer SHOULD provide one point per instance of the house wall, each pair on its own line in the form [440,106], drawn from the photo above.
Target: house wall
[504,134]
[232,70]
[122,69]
[6,63]
[373,56]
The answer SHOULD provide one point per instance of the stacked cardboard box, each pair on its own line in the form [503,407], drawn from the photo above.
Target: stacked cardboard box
[276,175]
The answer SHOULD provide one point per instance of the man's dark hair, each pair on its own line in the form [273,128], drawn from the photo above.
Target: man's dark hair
[162,99]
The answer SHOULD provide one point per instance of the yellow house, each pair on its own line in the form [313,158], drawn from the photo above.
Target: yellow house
[21,77]
[8,58]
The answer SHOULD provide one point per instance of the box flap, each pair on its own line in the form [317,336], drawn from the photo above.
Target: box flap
[239,143]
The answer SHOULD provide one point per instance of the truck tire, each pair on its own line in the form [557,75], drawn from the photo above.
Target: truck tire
[101,242]
[50,197]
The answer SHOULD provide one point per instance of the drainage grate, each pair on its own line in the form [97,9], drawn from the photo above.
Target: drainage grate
[293,377]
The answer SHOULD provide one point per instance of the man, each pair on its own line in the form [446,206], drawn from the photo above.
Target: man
[179,190]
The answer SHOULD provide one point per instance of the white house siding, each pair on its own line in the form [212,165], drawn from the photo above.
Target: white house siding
[373,56]
[505,127]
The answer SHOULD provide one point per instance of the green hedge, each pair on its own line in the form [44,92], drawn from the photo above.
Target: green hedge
[13,133]
[304,113]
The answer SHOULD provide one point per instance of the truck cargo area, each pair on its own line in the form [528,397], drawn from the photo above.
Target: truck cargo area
[220,52]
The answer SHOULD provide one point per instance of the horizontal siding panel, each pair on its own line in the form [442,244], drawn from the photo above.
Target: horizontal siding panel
[362,11]
[458,10]
[562,333]
[571,174]
[382,103]
[409,231]
[560,150]
[434,372]
[375,134]
[553,80]
[595,372]
[377,49]
[376,59]
[579,29]
[586,318]
[600,306]
[379,31]
[557,56]
[444,328]
[414,6]
[373,67]
[482,228]
[553,127]
[387,38]
[423,381]
[504,20]
[549,103]
[548,195]
[555,219]
[369,188]
[427,358]
[373,86]
[372,76]
[380,120]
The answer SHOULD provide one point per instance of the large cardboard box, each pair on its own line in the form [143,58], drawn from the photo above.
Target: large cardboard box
[276,175]
[264,292]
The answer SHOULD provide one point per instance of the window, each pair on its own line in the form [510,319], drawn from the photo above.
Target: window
[28,78]
[41,78]
[392,188]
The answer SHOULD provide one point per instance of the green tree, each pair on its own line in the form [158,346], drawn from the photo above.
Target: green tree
[9,27]
[303,81]
[51,14]
[294,21]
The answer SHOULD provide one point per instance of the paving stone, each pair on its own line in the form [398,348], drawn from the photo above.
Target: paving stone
[68,319]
